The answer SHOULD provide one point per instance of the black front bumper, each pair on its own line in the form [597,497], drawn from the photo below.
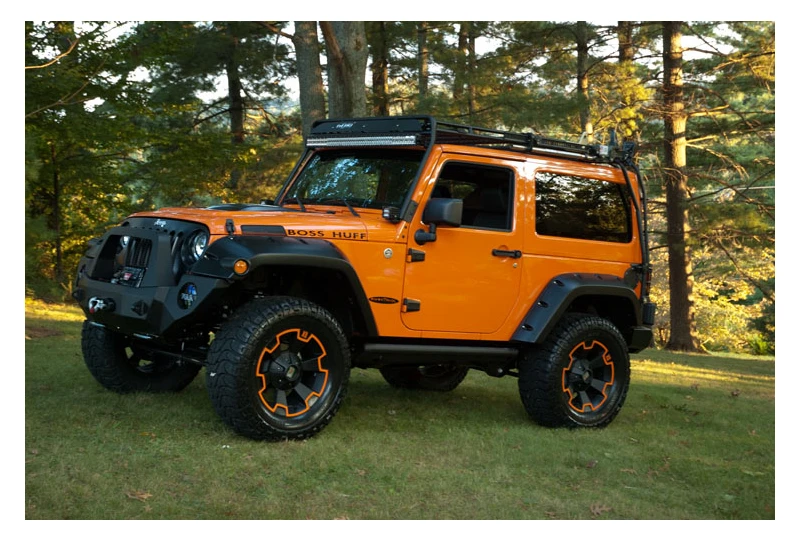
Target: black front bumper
[155,298]
[150,311]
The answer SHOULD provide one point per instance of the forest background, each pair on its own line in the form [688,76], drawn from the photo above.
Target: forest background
[121,117]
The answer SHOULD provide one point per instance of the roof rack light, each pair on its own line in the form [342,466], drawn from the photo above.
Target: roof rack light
[378,140]
[426,131]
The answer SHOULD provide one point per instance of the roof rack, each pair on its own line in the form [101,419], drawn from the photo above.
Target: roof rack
[425,131]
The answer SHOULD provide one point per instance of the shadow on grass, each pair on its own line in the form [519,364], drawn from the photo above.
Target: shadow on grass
[479,398]
[750,365]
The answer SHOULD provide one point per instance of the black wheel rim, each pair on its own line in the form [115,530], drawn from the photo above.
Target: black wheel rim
[291,373]
[588,380]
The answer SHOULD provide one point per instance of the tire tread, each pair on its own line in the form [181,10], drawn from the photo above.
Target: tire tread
[540,375]
[103,356]
[225,369]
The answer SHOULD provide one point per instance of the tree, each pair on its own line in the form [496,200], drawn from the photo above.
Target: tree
[681,280]
[582,77]
[379,51]
[346,46]
[727,188]
[309,74]
[423,60]
[78,104]
[102,140]
[186,58]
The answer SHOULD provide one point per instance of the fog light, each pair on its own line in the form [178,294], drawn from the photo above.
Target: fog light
[186,296]
[241,267]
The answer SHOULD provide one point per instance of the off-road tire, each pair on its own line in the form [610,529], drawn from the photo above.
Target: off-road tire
[117,363]
[579,376]
[278,369]
[441,378]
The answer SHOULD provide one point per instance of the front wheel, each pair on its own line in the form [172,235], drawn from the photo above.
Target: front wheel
[121,364]
[579,376]
[278,369]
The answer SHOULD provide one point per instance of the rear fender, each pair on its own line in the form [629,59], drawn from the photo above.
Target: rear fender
[565,291]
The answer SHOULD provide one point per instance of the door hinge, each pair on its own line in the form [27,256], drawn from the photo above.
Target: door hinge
[409,305]
[415,255]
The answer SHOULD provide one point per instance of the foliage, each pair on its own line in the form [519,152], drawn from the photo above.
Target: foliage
[127,117]
[116,125]
[731,175]
[727,310]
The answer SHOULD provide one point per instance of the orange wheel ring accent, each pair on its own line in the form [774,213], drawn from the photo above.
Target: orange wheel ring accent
[606,357]
[305,337]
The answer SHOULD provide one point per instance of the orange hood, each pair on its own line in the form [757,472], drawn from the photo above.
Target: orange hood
[332,223]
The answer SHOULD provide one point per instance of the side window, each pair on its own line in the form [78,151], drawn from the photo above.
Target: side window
[575,207]
[487,193]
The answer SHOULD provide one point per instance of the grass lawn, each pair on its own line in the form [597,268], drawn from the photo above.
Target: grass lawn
[694,441]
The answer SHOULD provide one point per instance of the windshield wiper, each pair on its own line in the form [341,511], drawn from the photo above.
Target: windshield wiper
[344,200]
[349,207]
[295,199]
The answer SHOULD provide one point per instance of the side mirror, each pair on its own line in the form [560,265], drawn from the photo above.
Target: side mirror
[444,212]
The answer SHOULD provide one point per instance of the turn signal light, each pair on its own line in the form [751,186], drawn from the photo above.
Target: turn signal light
[241,266]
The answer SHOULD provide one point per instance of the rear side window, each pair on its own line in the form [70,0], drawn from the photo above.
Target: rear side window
[576,207]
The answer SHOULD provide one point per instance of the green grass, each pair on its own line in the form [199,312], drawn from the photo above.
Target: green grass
[695,440]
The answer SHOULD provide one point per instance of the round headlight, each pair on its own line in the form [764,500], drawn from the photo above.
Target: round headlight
[197,245]
[123,241]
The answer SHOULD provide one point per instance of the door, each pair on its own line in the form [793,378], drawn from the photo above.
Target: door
[467,280]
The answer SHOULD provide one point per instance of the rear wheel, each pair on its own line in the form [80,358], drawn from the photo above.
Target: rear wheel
[278,369]
[579,376]
[121,364]
[440,378]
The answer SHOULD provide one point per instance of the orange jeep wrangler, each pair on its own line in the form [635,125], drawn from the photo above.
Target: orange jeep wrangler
[421,248]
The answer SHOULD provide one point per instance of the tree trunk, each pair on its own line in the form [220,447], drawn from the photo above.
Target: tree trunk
[625,38]
[681,281]
[461,63]
[380,69]
[66,33]
[235,99]
[309,74]
[422,59]
[471,68]
[55,218]
[582,40]
[346,45]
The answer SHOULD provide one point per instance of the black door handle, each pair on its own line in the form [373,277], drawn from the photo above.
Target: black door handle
[513,253]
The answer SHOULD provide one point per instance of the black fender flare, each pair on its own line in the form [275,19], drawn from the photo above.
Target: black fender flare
[266,250]
[560,293]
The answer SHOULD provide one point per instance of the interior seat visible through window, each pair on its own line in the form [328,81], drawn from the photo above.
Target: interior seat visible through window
[493,213]
[486,191]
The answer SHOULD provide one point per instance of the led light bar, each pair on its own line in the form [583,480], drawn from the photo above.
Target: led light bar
[380,140]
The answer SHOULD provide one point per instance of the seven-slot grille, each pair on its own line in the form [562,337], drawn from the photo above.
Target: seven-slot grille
[137,255]
[138,252]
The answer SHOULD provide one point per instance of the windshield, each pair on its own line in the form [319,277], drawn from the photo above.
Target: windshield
[366,178]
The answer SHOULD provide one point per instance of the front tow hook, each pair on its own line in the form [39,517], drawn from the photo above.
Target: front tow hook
[101,304]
